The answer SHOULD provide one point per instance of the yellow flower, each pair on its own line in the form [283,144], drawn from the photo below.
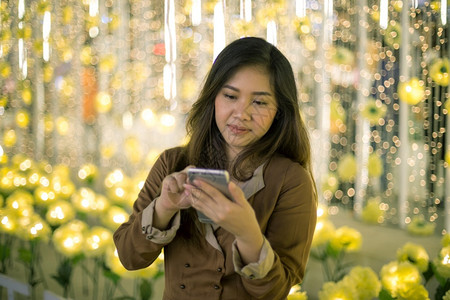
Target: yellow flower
[296,294]
[114,217]
[365,281]
[7,176]
[67,14]
[442,262]
[372,213]
[133,149]
[84,199]
[243,28]
[396,276]
[347,167]
[302,25]
[415,254]
[439,71]
[412,91]
[445,241]
[20,203]
[375,165]
[64,188]
[412,291]
[446,296]
[97,240]
[59,213]
[419,226]
[342,56]
[69,238]
[100,205]
[88,172]
[337,291]
[61,171]
[33,227]
[114,23]
[373,111]
[103,102]
[5,69]
[323,233]
[346,239]
[330,184]
[447,154]
[44,195]
[22,118]
[119,193]
[337,116]
[8,221]
[9,138]
[392,35]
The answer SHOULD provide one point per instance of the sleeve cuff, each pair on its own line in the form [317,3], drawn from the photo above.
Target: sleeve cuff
[154,234]
[256,270]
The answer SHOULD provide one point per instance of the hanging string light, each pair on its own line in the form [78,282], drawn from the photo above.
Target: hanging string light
[169,72]
[196,13]
[444,12]
[46,26]
[272,32]
[300,8]
[219,29]
[384,18]
[246,10]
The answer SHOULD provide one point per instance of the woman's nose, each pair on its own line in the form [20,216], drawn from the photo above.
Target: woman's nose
[242,109]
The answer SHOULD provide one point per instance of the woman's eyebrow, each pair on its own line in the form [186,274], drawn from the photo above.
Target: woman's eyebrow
[254,93]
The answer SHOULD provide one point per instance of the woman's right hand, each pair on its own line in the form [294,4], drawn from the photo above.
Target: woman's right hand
[173,196]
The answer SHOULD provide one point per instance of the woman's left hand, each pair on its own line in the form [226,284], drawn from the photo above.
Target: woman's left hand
[234,215]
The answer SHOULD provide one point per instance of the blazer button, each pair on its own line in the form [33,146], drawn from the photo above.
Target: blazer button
[182,286]
[219,269]
[216,287]
[187,265]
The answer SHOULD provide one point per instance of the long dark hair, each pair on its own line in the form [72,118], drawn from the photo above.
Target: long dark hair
[287,135]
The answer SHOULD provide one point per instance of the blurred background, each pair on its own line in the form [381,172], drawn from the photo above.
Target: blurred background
[91,91]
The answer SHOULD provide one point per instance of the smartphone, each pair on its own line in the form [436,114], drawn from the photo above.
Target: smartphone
[217,178]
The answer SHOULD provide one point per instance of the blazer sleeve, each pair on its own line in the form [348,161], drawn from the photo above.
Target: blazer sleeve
[290,229]
[134,249]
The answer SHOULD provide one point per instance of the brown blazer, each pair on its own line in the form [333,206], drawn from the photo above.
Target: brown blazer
[285,209]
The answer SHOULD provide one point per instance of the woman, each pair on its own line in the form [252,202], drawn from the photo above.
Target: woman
[246,121]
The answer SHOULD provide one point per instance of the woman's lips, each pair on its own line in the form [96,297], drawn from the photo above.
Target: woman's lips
[238,129]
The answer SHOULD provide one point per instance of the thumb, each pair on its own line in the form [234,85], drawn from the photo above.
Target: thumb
[237,193]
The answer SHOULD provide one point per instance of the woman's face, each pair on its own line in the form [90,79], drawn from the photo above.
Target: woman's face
[245,108]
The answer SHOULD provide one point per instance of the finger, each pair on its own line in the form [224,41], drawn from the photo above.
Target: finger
[181,179]
[237,193]
[172,184]
[208,189]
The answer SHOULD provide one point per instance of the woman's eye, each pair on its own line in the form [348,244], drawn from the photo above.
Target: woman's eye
[259,102]
[230,96]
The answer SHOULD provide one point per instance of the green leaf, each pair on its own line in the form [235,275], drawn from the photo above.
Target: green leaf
[115,278]
[77,258]
[146,289]
[428,274]
[25,255]
[439,278]
[5,252]
[158,274]
[442,289]
[332,252]
[385,295]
